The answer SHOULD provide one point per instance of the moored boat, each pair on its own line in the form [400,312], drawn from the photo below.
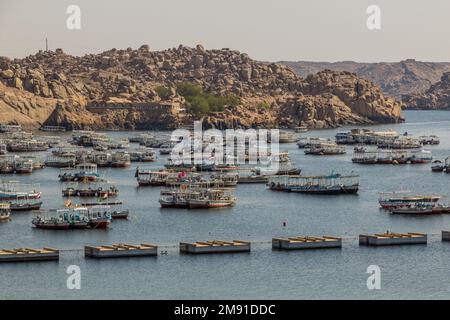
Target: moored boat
[5,212]
[25,204]
[389,200]
[83,190]
[330,184]
[85,172]
[50,224]
[437,166]
[151,177]
[120,159]
[12,190]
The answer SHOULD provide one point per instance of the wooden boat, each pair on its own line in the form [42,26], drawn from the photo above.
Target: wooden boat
[3,148]
[437,166]
[28,146]
[10,127]
[25,204]
[307,142]
[85,172]
[331,184]
[23,166]
[99,217]
[88,191]
[103,159]
[117,211]
[300,129]
[212,198]
[432,140]
[52,128]
[391,156]
[50,224]
[141,138]
[400,143]
[143,155]
[253,178]
[365,136]
[121,160]
[37,162]
[165,149]
[5,212]
[419,208]
[201,193]
[95,217]
[151,177]
[12,190]
[287,137]
[78,218]
[228,179]
[323,149]
[389,200]
[66,160]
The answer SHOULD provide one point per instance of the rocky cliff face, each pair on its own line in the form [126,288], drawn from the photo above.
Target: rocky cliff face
[59,89]
[436,97]
[395,79]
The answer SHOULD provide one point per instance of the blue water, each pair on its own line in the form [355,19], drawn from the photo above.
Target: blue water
[406,272]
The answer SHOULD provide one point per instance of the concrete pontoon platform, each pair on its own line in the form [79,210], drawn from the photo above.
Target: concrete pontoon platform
[445,235]
[306,242]
[121,250]
[391,239]
[28,254]
[215,246]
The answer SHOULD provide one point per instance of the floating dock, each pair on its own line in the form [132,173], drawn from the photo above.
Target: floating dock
[391,238]
[306,242]
[215,246]
[28,254]
[445,235]
[121,250]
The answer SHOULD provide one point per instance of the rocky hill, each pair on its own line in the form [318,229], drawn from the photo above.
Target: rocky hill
[436,97]
[395,79]
[139,89]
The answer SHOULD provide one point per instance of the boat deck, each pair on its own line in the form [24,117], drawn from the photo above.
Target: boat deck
[391,238]
[121,250]
[28,254]
[215,246]
[306,242]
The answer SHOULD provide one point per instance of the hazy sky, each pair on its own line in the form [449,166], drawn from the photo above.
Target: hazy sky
[269,30]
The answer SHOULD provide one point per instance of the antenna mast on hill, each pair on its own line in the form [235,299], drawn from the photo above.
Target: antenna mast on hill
[46,44]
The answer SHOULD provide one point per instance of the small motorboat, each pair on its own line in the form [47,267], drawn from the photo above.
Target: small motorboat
[437,166]
[5,212]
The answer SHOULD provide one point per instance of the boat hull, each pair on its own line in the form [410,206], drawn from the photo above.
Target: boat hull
[26,207]
[209,204]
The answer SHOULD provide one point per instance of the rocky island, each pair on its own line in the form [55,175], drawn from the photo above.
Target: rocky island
[143,89]
[436,97]
[395,78]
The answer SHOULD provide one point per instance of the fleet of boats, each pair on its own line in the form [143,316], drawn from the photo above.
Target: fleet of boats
[199,186]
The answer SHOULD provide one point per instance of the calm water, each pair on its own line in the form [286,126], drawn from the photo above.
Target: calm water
[406,272]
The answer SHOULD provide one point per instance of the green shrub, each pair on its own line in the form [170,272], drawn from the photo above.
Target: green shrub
[163,92]
[200,103]
[264,105]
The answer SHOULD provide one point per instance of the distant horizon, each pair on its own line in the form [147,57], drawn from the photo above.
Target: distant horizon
[234,49]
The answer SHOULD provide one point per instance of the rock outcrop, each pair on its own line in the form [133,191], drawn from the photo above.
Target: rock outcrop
[394,78]
[117,89]
[436,97]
